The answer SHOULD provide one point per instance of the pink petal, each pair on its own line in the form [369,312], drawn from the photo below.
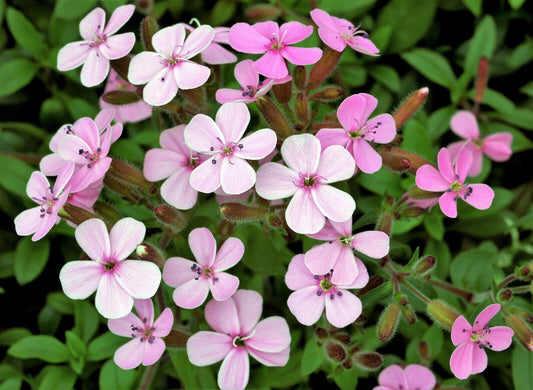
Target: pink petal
[72,55]
[95,69]
[301,55]
[222,316]
[178,271]
[52,164]
[226,95]
[47,223]
[119,18]
[335,204]
[477,162]
[298,275]
[246,74]
[461,359]
[276,181]
[323,20]
[270,335]
[303,215]
[430,179]
[177,191]
[374,244]
[293,32]
[112,301]
[168,39]
[481,196]
[332,38]
[302,153]
[463,163]
[161,89]
[366,157]
[224,287]
[160,164]
[461,330]
[203,246]
[446,168]
[122,326]
[206,177]
[92,24]
[268,29]
[330,137]
[306,305]
[385,131]
[191,294]
[93,238]
[485,316]
[174,139]
[215,54]
[246,39]
[229,254]
[345,268]
[138,277]
[479,360]
[235,370]
[333,230]
[362,276]
[257,145]
[271,359]
[320,259]
[130,354]
[190,75]
[124,237]
[206,348]
[117,46]
[232,120]
[145,310]
[354,111]
[464,124]
[498,146]
[197,41]
[448,204]
[419,377]
[272,64]
[344,309]
[249,305]
[500,338]
[392,377]
[363,45]
[28,221]
[69,148]
[236,176]
[202,134]
[153,351]
[336,164]
[144,67]
[79,279]
[37,185]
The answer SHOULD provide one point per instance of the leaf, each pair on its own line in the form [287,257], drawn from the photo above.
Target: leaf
[114,377]
[57,377]
[521,55]
[493,225]
[8,371]
[22,127]
[60,302]
[103,347]
[185,370]
[26,34]
[42,347]
[48,320]
[434,224]
[313,356]
[15,174]
[434,339]
[521,117]
[482,44]
[12,335]
[516,4]
[527,89]
[16,74]
[439,122]
[11,384]
[473,269]
[432,65]
[75,344]
[522,361]
[30,259]
[261,254]
[222,12]
[387,76]
[474,6]
[73,9]
[86,320]
[497,101]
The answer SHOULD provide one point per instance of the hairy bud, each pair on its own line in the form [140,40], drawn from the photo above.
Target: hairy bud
[325,65]
[120,97]
[150,253]
[274,117]
[148,28]
[327,95]
[388,322]
[261,12]
[282,92]
[301,107]
[521,330]
[442,313]
[170,218]
[335,351]
[410,106]
[299,76]
[368,360]
[425,265]
[237,212]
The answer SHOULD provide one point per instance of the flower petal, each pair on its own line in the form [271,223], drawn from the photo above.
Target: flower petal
[93,238]
[293,32]
[448,204]
[73,55]
[430,179]
[118,46]
[479,360]
[374,244]
[168,39]
[302,153]
[336,136]
[112,301]
[222,316]
[362,276]
[461,359]
[461,330]
[303,215]
[345,268]
[95,69]
[298,275]
[382,129]
[246,74]
[206,348]
[118,18]
[161,89]
[28,221]
[393,377]
[246,39]
[419,377]
[236,176]
[270,335]
[122,326]
[224,287]
[363,45]
[79,279]
[202,134]
[177,191]
[366,157]
[130,355]
[354,111]
[161,163]
[92,24]
[203,246]
[139,278]
[464,124]
[343,309]
[301,55]
[272,64]
[306,305]
[178,271]
[145,310]
[229,254]
[446,168]
[215,54]
[249,305]
[124,237]
[481,196]
[320,259]
[232,120]
[497,146]
[485,316]
[191,294]
[226,95]
[463,163]
[257,145]
[277,359]
[197,41]
[190,75]
[153,351]
[235,370]
[336,164]
[206,176]
[500,338]
[144,67]
[276,181]
[335,204]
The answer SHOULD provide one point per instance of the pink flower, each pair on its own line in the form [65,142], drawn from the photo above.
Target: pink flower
[312,293]
[338,33]
[338,253]
[450,179]
[147,346]
[170,67]
[251,88]
[40,219]
[115,279]
[98,46]
[176,162]
[216,54]
[470,357]
[273,41]
[194,280]
[359,133]
[237,335]
[306,178]
[222,141]
[133,112]
[413,377]
[497,146]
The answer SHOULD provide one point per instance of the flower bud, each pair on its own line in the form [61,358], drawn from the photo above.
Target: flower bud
[408,314]
[120,97]
[505,295]
[335,351]
[282,92]
[481,80]
[423,350]
[442,313]
[397,164]
[238,212]
[274,221]
[225,228]
[196,97]
[128,173]
[76,214]
[176,339]
[343,338]
[108,212]
[170,218]
[150,253]
[385,223]
[327,95]
[524,273]
[274,117]
[145,6]
[388,322]
[412,212]
[321,333]
[410,106]
[148,28]
[325,65]
[301,107]
[417,193]
[261,12]
[425,265]
[521,330]
[368,360]
[299,76]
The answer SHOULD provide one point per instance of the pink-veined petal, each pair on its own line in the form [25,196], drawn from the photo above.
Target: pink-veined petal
[118,18]
[222,316]
[293,32]
[336,164]
[203,246]
[363,45]
[28,221]
[270,335]
[232,119]
[174,139]
[235,370]
[215,54]
[169,39]
[161,89]
[153,351]
[112,301]
[79,279]
[191,294]
[419,377]
[124,237]
[145,310]
[374,244]
[73,55]
[430,179]
[330,137]
[276,181]
[323,20]
[246,39]
[333,230]
[366,157]
[37,186]
[446,168]
[333,203]
[257,145]
[303,215]
[461,331]
[392,377]
[249,306]
[205,348]
[479,360]
[226,95]
[177,191]
[47,223]
[202,134]
[448,204]
[464,124]
[306,305]
[362,277]
[118,46]
[206,176]
[485,316]
[277,359]
[497,147]
[197,41]
[463,163]
[382,129]
[190,75]
[236,176]
[298,275]
[93,238]
[224,287]
[144,67]
[52,164]
[229,254]
[272,64]
[302,153]
[481,196]
[461,359]
[178,271]
[95,69]
[477,162]
[354,111]
[246,74]
[92,24]
[332,38]
[500,338]
[320,259]
[344,309]
[301,55]
[122,326]
[130,355]
[345,268]
[138,277]
[70,146]
[160,164]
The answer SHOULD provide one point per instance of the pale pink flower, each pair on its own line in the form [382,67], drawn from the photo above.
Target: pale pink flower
[86,198]
[274,41]
[40,219]
[359,133]
[497,146]
[222,141]
[412,377]
[251,87]
[337,252]
[470,357]
[99,45]
[170,68]
[306,178]
[174,162]
[116,280]
[147,345]
[314,293]
[338,33]
[193,280]
[450,179]
[215,53]
[237,334]
[132,112]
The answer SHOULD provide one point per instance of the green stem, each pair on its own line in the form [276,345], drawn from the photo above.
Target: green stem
[414,290]
[506,281]
[521,289]
[466,295]
[148,376]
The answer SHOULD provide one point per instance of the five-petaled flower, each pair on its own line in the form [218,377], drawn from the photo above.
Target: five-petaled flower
[412,377]
[147,345]
[239,333]
[450,179]
[470,357]
[194,280]
[99,45]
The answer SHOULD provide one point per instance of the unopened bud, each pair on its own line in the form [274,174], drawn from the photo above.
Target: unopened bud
[408,314]
[145,6]
[76,214]
[524,273]
[299,76]
[425,265]
[368,360]
[108,212]
[343,338]
[385,223]
[301,107]
[442,313]
[419,194]
[261,12]
[423,350]
[321,333]
[150,253]
[505,295]
[225,228]
[148,28]
[394,162]
[238,212]
[176,339]
[128,173]
[347,364]
[274,117]
[322,69]
[388,322]
[327,95]
[410,106]
[481,80]
[335,351]
[282,92]
[121,66]
[120,97]
[195,96]
[521,330]
[412,212]
[170,218]
[119,186]
[274,221]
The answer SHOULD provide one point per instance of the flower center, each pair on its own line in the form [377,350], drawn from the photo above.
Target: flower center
[346,240]
[365,133]
[325,285]
[479,337]
[239,341]
[250,91]
[47,202]
[352,31]
[276,42]
[145,334]
[92,157]
[205,272]
[226,150]
[461,189]
[98,40]
[109,265]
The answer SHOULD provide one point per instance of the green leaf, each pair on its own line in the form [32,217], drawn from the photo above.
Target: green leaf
[473,269]
[459,88]
[474,6]
[103,347]
[30,259]
[313,356]
[410,19]
[60,302]
[42,347]
[86,320]
[9,371]
[73,9]
[26,34]
[57,377]
[482,44]
[75,344]
[22,127]
[416,139]
[521,55]
[516,4]
[15,174]
[522,361]
[387,76]
[11,336]
[497,101]
[185,370]
[493,225]
[347,379]
[78,107]
[434,224]
[439,122]
[48,320]
[6,264]
[434,339]
[222,12]
[527,89]
[11,384]
[114,377]
[16,74]
[432,65]
[521,117]
[261,254]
